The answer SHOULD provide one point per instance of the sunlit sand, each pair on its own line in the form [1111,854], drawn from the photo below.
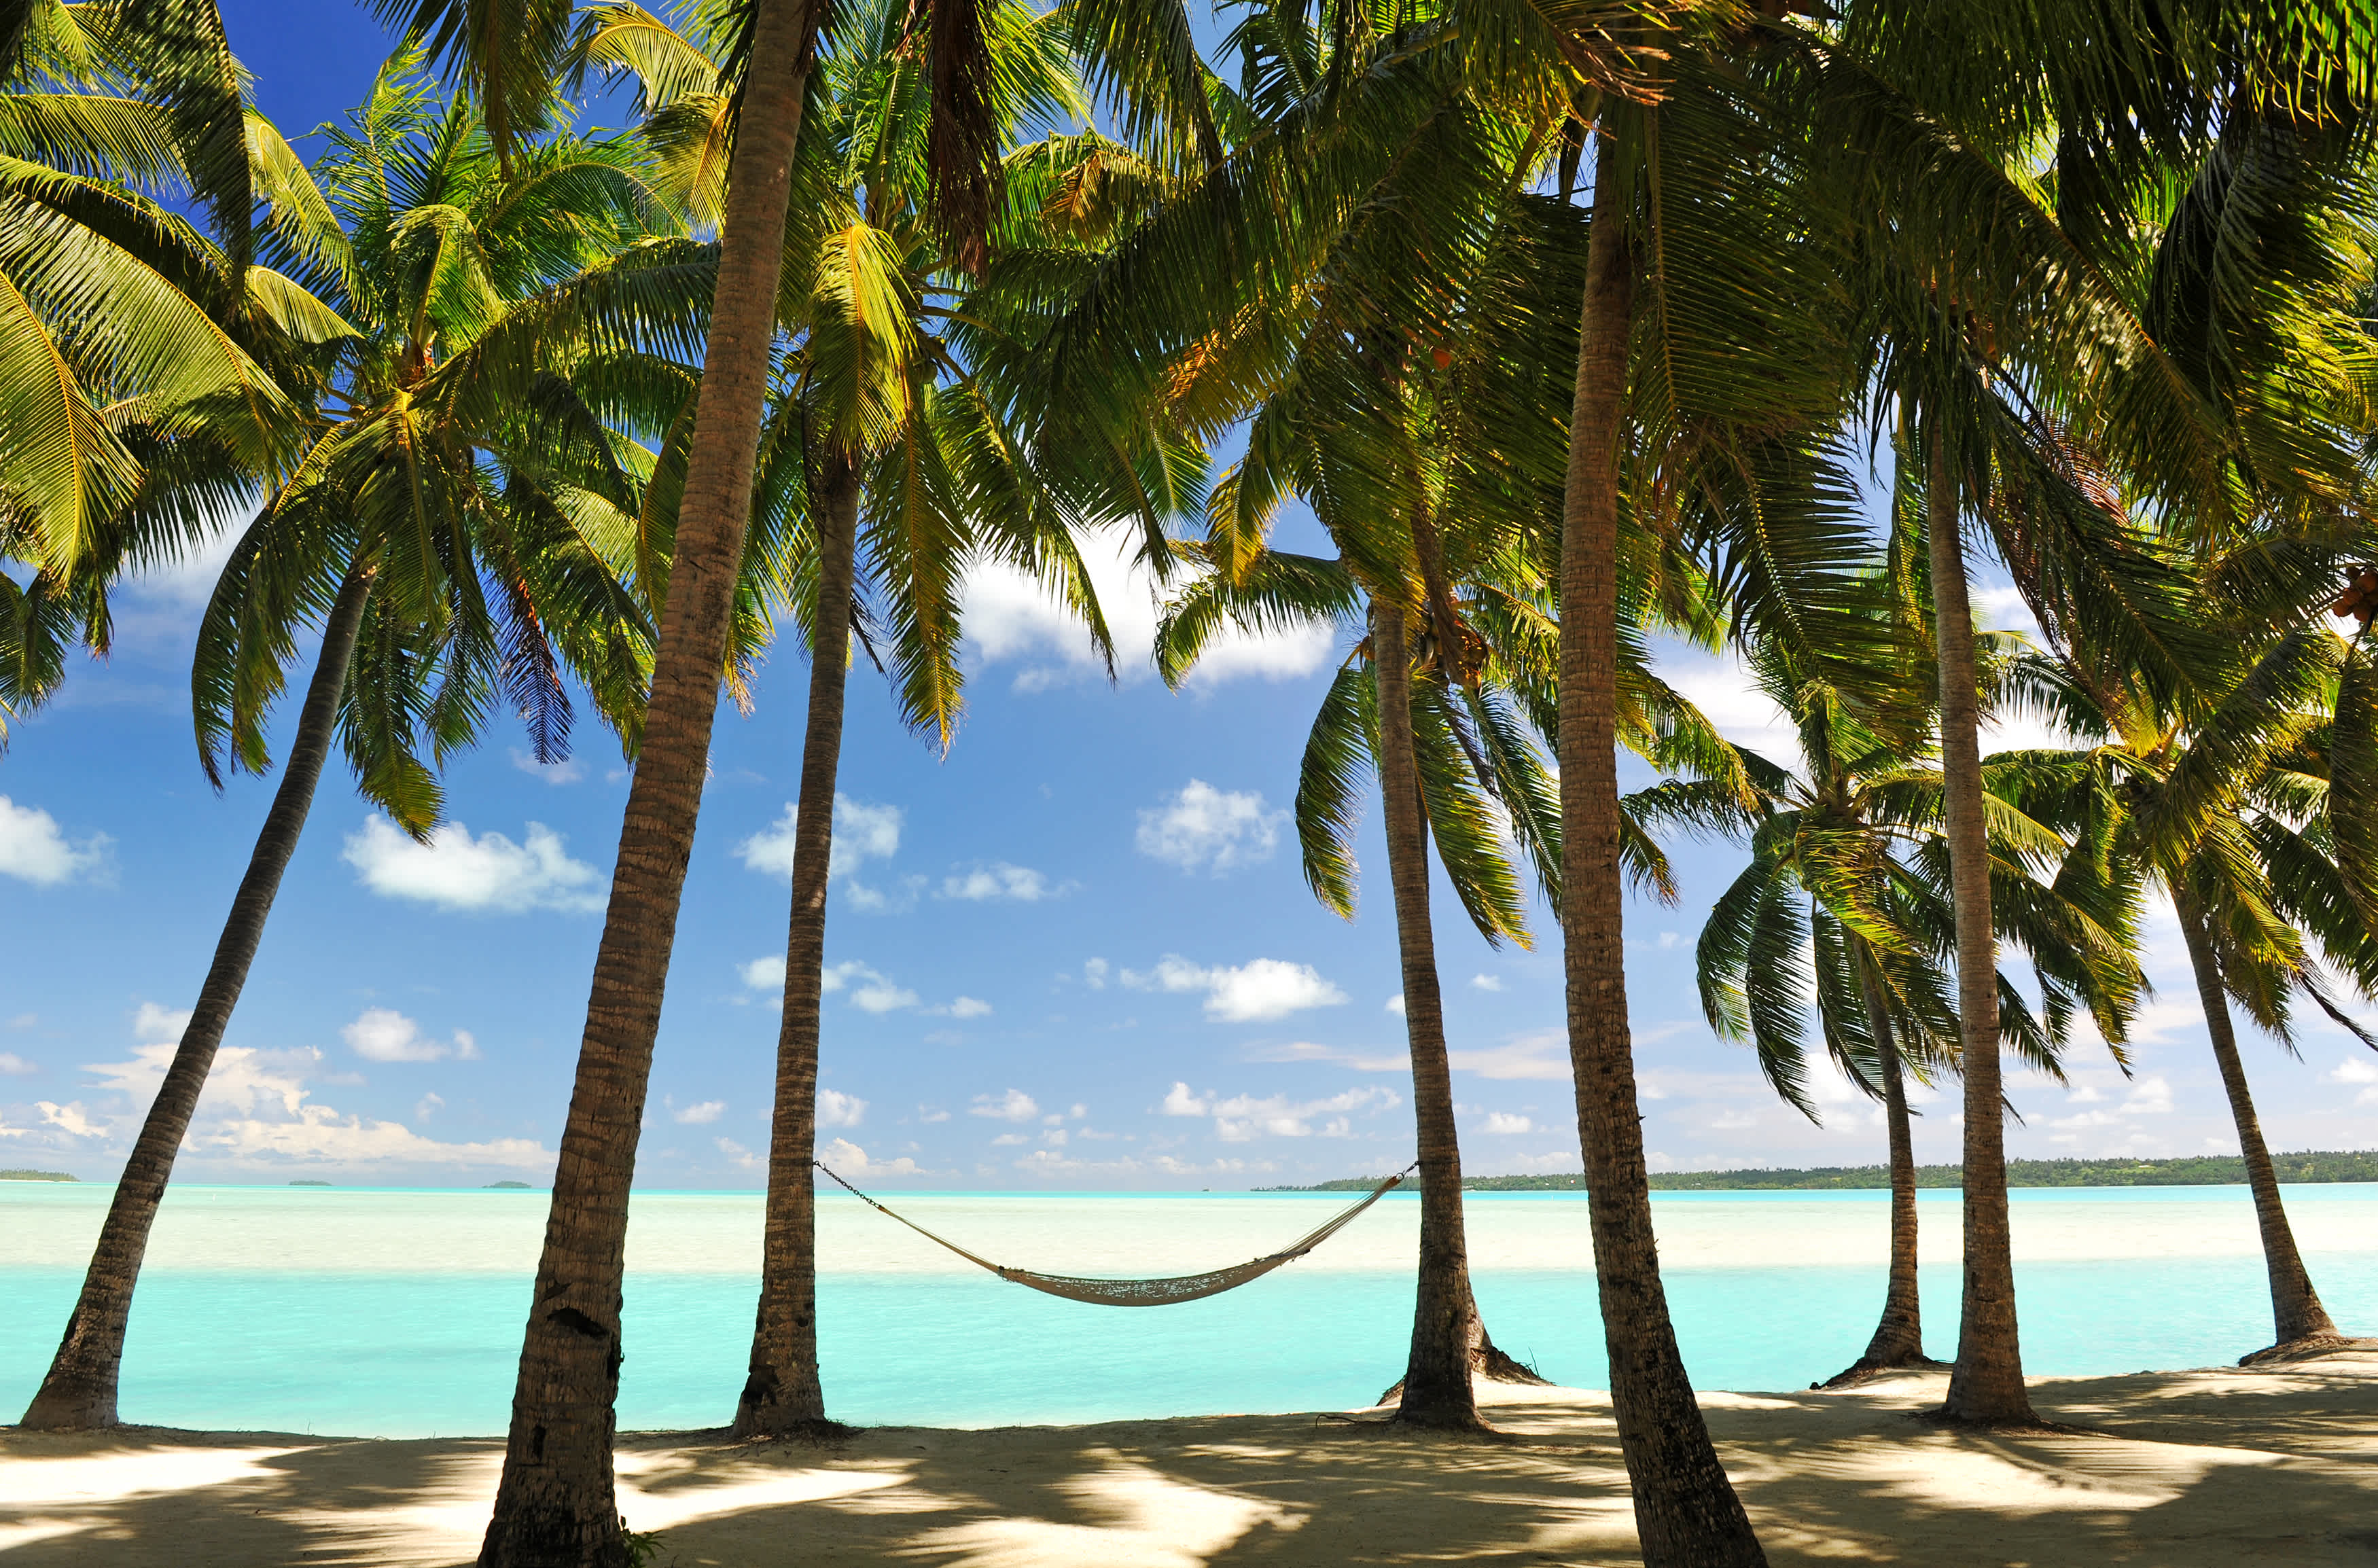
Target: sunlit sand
[2191,1469]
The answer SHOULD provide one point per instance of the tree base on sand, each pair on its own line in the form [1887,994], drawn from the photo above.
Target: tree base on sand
[818,1430]
[2311,1347]
[1487,1362]
[1865,1369]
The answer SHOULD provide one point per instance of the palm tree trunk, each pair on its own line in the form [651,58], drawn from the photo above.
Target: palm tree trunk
[1987,1385]
[783,1395]
[1686,1509]
[556,1505]
[79,1388]
[1436,1390]
[1899,1339]
[2295,1312]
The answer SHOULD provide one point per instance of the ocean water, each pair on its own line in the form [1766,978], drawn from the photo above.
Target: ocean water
[396,1312]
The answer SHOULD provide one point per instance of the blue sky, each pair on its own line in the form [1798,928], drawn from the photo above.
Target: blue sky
[1076,951]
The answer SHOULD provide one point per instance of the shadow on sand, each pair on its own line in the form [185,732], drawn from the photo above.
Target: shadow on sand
[2271,1466]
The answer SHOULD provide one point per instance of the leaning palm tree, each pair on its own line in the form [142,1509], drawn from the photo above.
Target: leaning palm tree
[1846,899]
[458,520]
[892,461]
[557,1500]
[2232,812]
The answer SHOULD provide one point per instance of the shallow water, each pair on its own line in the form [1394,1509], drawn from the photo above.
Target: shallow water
[398,1312]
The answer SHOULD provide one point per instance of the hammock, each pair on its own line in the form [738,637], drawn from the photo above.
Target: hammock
[1145,1292]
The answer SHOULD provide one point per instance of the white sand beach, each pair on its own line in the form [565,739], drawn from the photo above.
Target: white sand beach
[2183,1469]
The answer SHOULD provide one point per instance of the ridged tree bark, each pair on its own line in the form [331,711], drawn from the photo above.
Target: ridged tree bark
[1899,1337]
[783,1395]
[1437,1387]
[556,1505]
[1986,1386]
[79,1389]
[2295,1312]
[1686,1509]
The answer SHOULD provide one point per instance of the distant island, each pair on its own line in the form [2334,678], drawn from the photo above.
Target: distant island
[307,1182]
[508,1187]
[2196,1170]
[35,1176]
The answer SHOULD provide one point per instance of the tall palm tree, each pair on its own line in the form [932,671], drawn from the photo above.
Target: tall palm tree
[2232,812]
[1846,887]
[898,435]
[457,519]
[556,1502]
[2027,365]
[1411,448]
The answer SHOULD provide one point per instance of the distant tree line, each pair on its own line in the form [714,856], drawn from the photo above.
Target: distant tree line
[2195,1170]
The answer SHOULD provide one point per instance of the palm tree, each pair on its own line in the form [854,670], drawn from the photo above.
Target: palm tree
[556,1502]
[1847,886]
[135,353]
[2021,357]
[1405,444]
[893,457]
[2232,811]
[456,518]
[897,432]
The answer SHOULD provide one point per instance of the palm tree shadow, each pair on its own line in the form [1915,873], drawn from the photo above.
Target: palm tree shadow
[2205,1468]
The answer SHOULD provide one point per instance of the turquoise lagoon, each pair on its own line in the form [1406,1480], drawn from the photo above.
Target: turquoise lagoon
[398,1312]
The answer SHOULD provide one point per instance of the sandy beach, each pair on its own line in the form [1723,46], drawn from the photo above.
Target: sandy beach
[2188,1469]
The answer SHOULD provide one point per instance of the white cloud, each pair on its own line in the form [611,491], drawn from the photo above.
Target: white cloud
[1505,1122]
[1013,1106]
[71,1119]
[1094,974]
[1242,1117]
[569,770]
[2352,1070]
[1393,1059]
[1000,880]
[737,1153]
[2151,1096]
[699,1115]
[932,1114]
[1487,982]
[454,870]
[14,1066]
[970,1007]
[1205,828]
[33,850]
[861,832]
[851,1160]
[382,1034]
[153,1022]
[1010,1140]
[763,974]
[1396,1004]
[428,1105]
[256,1110]
[1255,992]
[1534,1056]
[1012,616]
[871,991]
[835,1108]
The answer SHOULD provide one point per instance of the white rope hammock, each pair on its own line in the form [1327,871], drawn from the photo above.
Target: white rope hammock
[1145,1292]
